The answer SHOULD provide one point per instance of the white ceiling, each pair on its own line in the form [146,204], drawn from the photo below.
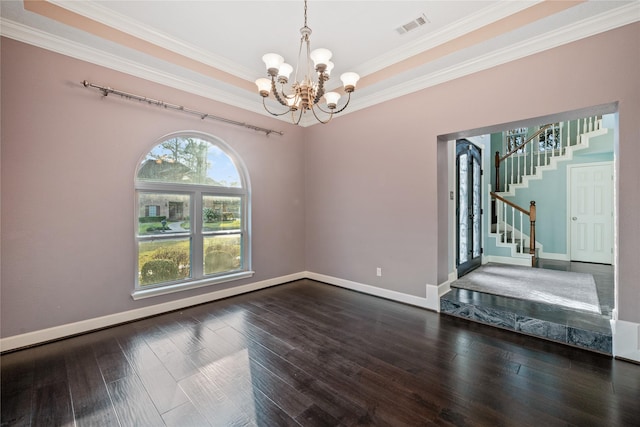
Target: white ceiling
[232,36]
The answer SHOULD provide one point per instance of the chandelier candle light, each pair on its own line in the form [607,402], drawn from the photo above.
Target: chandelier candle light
[304,95]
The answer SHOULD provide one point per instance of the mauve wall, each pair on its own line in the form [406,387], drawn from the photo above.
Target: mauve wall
[68,163]
[376,183]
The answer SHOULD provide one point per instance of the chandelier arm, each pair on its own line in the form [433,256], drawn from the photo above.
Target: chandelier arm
[320,90]
[264,104]
[323,110]
[345,105]
[274,89]
[313,110]
[293,117]
[335,112]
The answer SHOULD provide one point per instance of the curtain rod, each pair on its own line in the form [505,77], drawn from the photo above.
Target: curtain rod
[130,96]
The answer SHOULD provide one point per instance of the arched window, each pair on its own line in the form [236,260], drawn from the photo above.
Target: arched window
[192,215]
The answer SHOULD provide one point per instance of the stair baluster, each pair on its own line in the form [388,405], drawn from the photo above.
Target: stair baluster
[521,239]
[509,236]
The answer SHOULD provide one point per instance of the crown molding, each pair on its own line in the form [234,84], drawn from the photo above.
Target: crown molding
[120,22]
[130,26]
[484,17]
[610,20]
[63,46]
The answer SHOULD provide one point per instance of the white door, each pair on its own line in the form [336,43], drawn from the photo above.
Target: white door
[591,213]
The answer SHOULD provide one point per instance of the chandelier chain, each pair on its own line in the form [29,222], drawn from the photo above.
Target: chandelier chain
[305,13]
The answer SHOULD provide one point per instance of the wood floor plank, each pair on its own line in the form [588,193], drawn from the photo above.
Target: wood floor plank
[133,404]
[213,404]
[257,330]
[52,405]
[16,390]
[170,355]
[162,387]
[340,407]
[291,401]
[268,413]
[314,416]
[183,416]
[92,404]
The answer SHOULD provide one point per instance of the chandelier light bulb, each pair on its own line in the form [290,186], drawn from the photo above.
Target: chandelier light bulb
[283,72]
[264,86]
[349,81]
[332,99]
[273,61]
[330,66]
[320,58]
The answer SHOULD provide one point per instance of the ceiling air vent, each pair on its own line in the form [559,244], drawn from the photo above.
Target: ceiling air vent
[412,25]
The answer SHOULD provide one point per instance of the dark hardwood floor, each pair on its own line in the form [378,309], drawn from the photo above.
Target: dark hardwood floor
[311,354]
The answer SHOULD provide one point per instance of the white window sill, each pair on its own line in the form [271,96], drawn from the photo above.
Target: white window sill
[184,286]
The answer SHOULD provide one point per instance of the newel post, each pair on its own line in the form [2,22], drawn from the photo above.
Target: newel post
[532,232]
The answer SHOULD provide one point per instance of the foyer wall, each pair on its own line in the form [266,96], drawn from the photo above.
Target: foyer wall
[377,184]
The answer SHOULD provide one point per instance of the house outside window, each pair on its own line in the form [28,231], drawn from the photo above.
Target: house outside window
[192,216]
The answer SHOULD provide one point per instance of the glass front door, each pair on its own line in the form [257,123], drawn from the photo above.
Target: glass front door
[468,209]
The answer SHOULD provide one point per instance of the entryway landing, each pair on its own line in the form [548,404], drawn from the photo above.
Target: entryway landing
[578,328]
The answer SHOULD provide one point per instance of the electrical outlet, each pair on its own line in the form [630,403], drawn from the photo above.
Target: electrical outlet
[379,272]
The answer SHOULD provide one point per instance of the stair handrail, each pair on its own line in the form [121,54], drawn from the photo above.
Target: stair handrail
[499,159]
[531,138]
[531,213]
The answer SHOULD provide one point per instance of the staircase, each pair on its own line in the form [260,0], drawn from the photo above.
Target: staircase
[513,226]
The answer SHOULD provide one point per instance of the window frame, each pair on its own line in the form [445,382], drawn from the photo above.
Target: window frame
[196,235]
[557,131]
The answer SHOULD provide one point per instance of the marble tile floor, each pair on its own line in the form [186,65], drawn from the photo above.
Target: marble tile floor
[555,323]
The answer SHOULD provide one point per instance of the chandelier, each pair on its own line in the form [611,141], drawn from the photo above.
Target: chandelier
[304,95]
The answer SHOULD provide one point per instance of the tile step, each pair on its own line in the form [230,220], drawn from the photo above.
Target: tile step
[579,329]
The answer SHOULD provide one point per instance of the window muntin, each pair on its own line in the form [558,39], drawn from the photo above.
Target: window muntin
[514,138]
[192,223]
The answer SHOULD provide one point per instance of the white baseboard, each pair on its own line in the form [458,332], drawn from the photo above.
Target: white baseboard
[69,329]
[453,276]
[626,340]
[509,260]
[553,256]
[431,302]
[626,335]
